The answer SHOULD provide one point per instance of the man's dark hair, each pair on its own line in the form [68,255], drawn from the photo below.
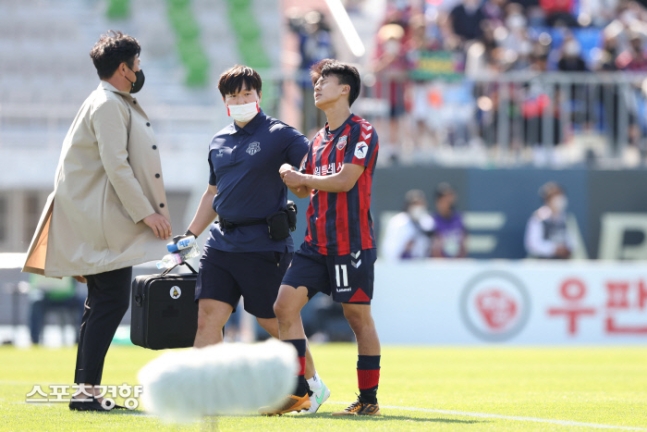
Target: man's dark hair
[413,196]
[345,73]
[549,190]
[234,79]
[112,49]
[443,189]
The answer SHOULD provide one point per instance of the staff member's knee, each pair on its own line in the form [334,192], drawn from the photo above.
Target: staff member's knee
[212,315]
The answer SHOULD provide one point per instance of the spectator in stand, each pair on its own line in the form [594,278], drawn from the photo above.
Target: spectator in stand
[494,11]
[516,46]
[315,44]
[408,234]
[539,59]
[422,40]
[606,61]
[547,234]
[466,20]
[391,71]
[634,58]
[449,236]
[571,59]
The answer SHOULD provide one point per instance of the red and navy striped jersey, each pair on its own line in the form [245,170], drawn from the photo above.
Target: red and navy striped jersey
[341,223]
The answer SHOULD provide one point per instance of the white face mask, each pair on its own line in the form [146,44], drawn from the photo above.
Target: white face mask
[515,21]
[559,203]
[243,113]
[416,212]
[571,49]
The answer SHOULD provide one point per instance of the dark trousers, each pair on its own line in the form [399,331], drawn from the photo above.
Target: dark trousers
[106,305]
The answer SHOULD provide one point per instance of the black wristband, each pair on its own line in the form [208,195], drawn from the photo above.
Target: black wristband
[189,233]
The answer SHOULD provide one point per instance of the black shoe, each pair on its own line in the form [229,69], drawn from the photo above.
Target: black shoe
[89,405]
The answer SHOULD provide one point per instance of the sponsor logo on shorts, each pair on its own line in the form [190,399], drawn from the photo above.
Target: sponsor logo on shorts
[344,289]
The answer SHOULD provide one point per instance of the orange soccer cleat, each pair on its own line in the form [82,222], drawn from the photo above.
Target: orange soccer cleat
[290,404]
[360,408]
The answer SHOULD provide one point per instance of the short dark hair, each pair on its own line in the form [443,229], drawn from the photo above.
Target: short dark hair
[112,49]
[345,73]
[550,189]
[412,196]
[237,77]
[443,189]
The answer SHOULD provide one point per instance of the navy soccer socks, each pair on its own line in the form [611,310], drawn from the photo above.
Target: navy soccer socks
[302,384]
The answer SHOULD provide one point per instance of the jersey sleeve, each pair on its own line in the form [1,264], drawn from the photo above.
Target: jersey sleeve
[296,148]
[363,145]
[212,174]
[305,164]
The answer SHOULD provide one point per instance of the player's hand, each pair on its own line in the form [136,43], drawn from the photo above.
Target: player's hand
[293,179]
[160,226]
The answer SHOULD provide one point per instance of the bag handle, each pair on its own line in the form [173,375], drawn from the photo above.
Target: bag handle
[168,270]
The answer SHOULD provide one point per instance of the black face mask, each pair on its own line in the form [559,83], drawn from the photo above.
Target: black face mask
[139,81]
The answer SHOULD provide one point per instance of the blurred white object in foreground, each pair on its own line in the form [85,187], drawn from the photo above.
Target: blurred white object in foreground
[183,386]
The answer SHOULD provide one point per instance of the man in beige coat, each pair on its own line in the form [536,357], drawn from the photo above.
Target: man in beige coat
[108,211]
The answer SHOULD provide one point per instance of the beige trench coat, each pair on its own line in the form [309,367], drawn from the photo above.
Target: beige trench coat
[109,178]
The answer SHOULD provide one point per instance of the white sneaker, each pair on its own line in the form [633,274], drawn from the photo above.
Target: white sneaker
[318,397]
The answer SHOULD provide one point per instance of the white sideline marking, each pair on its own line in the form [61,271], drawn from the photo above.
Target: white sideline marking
[504,417]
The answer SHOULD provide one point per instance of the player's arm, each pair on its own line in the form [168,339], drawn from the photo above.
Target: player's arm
[343,181]
[205,214]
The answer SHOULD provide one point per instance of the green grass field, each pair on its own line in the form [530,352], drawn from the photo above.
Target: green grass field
[463,389]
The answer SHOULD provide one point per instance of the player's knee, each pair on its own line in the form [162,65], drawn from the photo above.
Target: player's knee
[358,320]
[281,309]
[285,310]
[286,305]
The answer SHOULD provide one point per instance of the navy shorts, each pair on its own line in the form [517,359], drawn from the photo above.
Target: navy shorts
[256,276]
[349,278]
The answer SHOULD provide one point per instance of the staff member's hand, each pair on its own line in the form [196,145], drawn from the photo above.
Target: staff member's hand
[293,179]
[159,225]
[285,168]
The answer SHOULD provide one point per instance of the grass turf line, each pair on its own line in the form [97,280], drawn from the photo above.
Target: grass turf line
[589,385]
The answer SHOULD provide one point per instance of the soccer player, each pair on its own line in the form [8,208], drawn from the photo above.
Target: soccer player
[338,254]
[245,188]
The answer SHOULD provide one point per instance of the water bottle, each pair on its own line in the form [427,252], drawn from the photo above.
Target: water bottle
[170,260]
[183,243]
[191,251]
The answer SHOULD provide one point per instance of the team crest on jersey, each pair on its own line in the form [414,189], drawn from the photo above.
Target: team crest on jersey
[341,142]
[360,150]
[253,148]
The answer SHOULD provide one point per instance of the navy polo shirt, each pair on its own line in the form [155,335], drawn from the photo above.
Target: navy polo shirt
[245,166]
